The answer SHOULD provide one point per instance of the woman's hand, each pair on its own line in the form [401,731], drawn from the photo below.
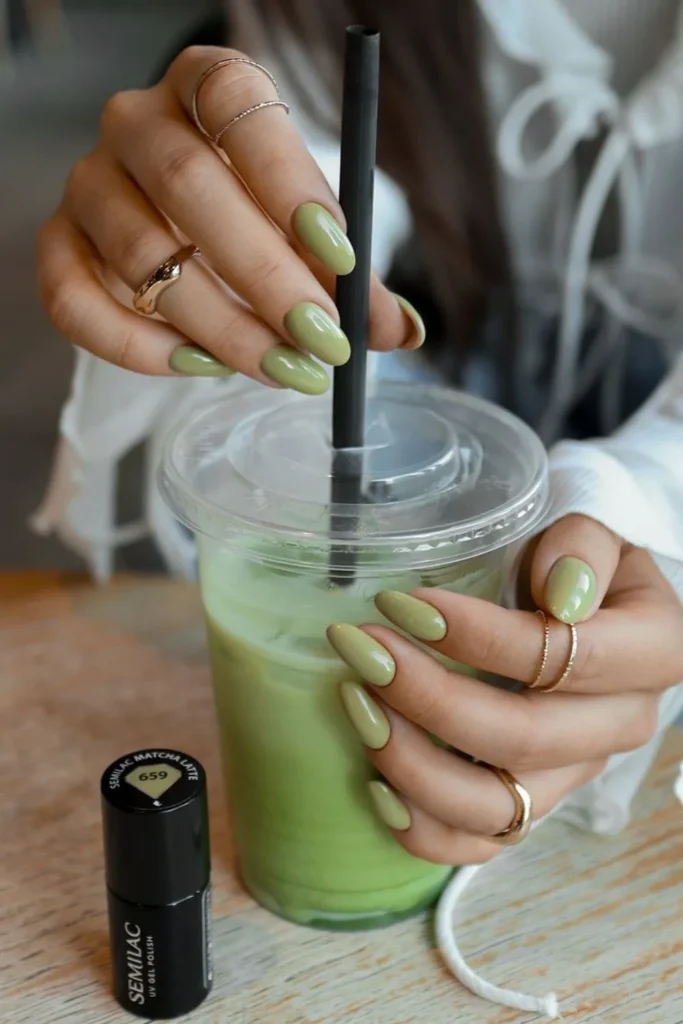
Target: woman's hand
[630,648]
[259,209]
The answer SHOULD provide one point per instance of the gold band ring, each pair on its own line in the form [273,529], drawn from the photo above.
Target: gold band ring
[148,294]
[216,139]
[571,658]
[546,647]
[519,827]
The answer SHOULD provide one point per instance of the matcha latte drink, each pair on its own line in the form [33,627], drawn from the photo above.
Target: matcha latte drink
[449,484]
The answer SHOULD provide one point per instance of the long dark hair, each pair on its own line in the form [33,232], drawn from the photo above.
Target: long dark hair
[433,134]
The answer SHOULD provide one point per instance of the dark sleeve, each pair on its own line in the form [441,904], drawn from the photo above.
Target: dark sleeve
[213,31]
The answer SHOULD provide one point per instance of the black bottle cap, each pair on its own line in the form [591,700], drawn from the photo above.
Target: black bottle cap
[156,827]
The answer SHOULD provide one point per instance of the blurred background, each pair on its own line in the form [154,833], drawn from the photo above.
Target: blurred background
[59,61]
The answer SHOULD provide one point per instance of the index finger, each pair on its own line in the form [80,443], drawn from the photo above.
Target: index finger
[524,731]
[265,148]
[631,646]
[274,163]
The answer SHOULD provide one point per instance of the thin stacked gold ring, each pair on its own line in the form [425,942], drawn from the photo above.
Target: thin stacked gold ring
[216,139]
[571,658]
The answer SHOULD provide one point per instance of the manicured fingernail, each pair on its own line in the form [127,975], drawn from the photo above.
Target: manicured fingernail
[416,617]
[317,229]
[286,366]
[368,658]
[570,590]
[365,715]
[316,332]
[389,807]
[418,331]
[197,362]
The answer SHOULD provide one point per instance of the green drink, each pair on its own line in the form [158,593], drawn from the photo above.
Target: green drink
[443,505]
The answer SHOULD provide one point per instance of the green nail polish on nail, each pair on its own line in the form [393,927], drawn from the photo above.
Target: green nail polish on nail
[389,806]
[194,361]
[317,229]
[316,332]
[286,366]
[365,715]
[414,616]
[570,590]
[418,329]
[368,658]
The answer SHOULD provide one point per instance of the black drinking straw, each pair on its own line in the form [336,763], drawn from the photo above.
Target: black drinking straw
[356,188]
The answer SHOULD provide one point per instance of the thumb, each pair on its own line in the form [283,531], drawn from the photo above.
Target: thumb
[573,566]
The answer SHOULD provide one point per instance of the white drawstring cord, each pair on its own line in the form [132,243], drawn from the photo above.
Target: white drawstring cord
[631,203]
[612,813]
[448,947]
[582,102]
[588,215]
[603,347]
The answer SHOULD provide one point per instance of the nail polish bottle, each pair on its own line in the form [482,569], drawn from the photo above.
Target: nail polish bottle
[157,866]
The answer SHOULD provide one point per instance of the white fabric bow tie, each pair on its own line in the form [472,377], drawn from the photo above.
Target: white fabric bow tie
[575,83]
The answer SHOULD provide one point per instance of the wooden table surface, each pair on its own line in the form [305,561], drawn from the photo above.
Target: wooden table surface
[86,675]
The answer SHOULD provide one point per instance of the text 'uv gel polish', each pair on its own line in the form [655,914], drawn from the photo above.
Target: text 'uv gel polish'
[157,865]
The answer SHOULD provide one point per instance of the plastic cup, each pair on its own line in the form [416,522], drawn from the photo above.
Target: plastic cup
[450,484]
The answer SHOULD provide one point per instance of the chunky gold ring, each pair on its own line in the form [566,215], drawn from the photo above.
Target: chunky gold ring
[571,658]
[216,139]
[519,827]
[148,294]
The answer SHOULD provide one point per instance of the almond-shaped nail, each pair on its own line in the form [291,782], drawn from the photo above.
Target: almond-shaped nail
[390,808]
[193,361]
[412,615]
[317,229]
[315,331]
[570,590]
[363,654]
[284,365]
[417,329]
[365,715]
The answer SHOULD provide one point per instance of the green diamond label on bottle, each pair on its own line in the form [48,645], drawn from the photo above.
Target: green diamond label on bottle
[153,779]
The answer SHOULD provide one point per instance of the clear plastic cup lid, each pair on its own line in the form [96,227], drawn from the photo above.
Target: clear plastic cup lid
[442,477]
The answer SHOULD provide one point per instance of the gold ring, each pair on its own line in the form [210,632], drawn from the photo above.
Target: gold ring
[216,139]
[148,294]
[546,646]
[519,827]
[571,658]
